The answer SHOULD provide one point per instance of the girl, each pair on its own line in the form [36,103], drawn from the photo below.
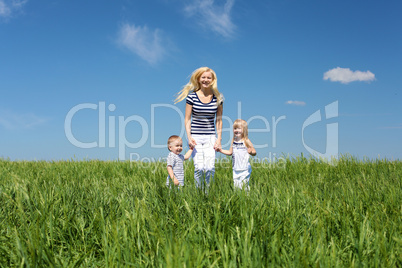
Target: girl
[240,150]
[204,106]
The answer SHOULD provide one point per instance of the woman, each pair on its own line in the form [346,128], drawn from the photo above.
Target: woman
[203,115]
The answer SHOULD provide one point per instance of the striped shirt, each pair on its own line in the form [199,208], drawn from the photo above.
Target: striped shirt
[203,121]
[176,162]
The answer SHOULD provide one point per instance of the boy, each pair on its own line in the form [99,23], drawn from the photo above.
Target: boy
[175,161]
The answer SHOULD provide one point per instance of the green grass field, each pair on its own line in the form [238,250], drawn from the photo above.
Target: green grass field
[106,214]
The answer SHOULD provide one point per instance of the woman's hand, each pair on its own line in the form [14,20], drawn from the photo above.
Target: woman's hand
[191,143]
[217,145]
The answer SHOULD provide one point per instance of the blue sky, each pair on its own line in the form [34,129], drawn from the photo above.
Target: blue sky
[97,80]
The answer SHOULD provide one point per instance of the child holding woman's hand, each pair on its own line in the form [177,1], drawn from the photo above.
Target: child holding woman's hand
[175,161]
[240,150]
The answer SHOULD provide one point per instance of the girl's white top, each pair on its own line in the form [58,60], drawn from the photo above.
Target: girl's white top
[240,156]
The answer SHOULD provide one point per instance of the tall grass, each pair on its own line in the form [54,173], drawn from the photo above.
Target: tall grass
[105,214]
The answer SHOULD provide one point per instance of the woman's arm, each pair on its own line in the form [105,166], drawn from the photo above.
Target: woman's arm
[218,124]
[187,124]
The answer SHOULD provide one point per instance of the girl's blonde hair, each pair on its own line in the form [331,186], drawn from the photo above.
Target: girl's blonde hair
[243,125]
[193,85]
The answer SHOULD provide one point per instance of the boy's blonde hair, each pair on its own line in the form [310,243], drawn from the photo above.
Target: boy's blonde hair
[243,125]
[193,85]
[172,139]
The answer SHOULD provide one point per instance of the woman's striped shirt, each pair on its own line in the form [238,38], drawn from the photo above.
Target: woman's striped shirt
[203,115]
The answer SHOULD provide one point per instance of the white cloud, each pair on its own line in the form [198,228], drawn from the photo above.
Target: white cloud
[4,9]
[297,103]
[398,126]
[345,75]
[18,3]
[10,120]
[8,7]
[143,42]
[213,17]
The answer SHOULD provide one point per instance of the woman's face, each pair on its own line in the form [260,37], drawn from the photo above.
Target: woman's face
[205,80]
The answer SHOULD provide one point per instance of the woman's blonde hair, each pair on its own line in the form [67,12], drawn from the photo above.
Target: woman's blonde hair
[193,85]
[243,125]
